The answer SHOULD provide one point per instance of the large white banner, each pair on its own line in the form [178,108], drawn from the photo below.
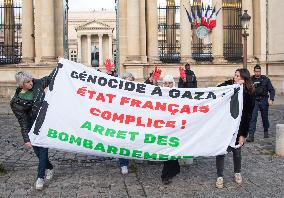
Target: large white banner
[90,112]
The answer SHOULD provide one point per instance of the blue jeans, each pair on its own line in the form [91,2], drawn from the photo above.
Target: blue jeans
[44,163]
[262,106]
[123,162]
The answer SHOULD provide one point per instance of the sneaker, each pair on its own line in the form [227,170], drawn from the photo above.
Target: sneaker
[49,173]
[266,135]
[220,182]
[124,170]
[39,184]
[238,178]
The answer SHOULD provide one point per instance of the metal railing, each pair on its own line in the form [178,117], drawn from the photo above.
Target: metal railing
[169,45]
[233,46]
[202,52]
[10,32]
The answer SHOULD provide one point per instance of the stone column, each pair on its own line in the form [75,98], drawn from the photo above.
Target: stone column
[152,30]
[217,35]
[110,46]
[142,26]
[247,5]
[47,31]
[28,31]
[122,44]
[185,33]
[101,62]
[279,139]
[79,49]
[89,50]
[59,25]
[37,22]
[259,26]
[133,31]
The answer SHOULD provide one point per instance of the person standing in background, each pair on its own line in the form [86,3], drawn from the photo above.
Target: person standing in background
[264,97]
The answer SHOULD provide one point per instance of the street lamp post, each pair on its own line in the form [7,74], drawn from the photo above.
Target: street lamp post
[245,19]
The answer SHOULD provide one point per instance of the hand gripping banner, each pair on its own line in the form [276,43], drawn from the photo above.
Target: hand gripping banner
[90,112]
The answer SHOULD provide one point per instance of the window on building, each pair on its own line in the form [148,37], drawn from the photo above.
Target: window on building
[201,48]
[232,35]
[169,29]
[73,55]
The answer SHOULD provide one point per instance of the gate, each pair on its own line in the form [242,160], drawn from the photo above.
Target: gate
[169,29]
[10,32]
[233,47]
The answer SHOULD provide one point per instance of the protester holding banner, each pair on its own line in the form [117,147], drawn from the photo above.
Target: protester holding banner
[125,162]
[25,105]
[171,167]
[112,117]
[242,76]
[187,78]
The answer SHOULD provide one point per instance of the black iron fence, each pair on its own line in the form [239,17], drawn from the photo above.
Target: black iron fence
[10,32]
[233,47]
[169,45]
[202,52]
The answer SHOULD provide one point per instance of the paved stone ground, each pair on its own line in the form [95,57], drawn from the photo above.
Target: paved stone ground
[89,176]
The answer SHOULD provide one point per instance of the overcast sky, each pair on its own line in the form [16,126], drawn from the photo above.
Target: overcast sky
[90,5]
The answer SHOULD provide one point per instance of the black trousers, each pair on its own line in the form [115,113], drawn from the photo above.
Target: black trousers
[237,158]
[171,168]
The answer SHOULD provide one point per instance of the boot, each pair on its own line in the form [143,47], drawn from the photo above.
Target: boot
[250,138]
[266,134]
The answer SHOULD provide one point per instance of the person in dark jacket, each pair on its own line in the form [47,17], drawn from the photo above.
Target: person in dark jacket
[171,167]
[264,97]
[189,80]
[242,76]
[26,104]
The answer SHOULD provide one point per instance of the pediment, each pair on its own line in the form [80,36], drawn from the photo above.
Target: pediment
[93,24]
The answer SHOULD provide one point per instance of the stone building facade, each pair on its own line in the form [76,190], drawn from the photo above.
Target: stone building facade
[139,36]
[90,38]
[43,38]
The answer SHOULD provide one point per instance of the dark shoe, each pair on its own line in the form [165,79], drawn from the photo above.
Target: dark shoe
[250,138]
[266,134]
[166,181]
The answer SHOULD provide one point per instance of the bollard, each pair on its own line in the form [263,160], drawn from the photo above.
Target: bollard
[186,161]
[279,147]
